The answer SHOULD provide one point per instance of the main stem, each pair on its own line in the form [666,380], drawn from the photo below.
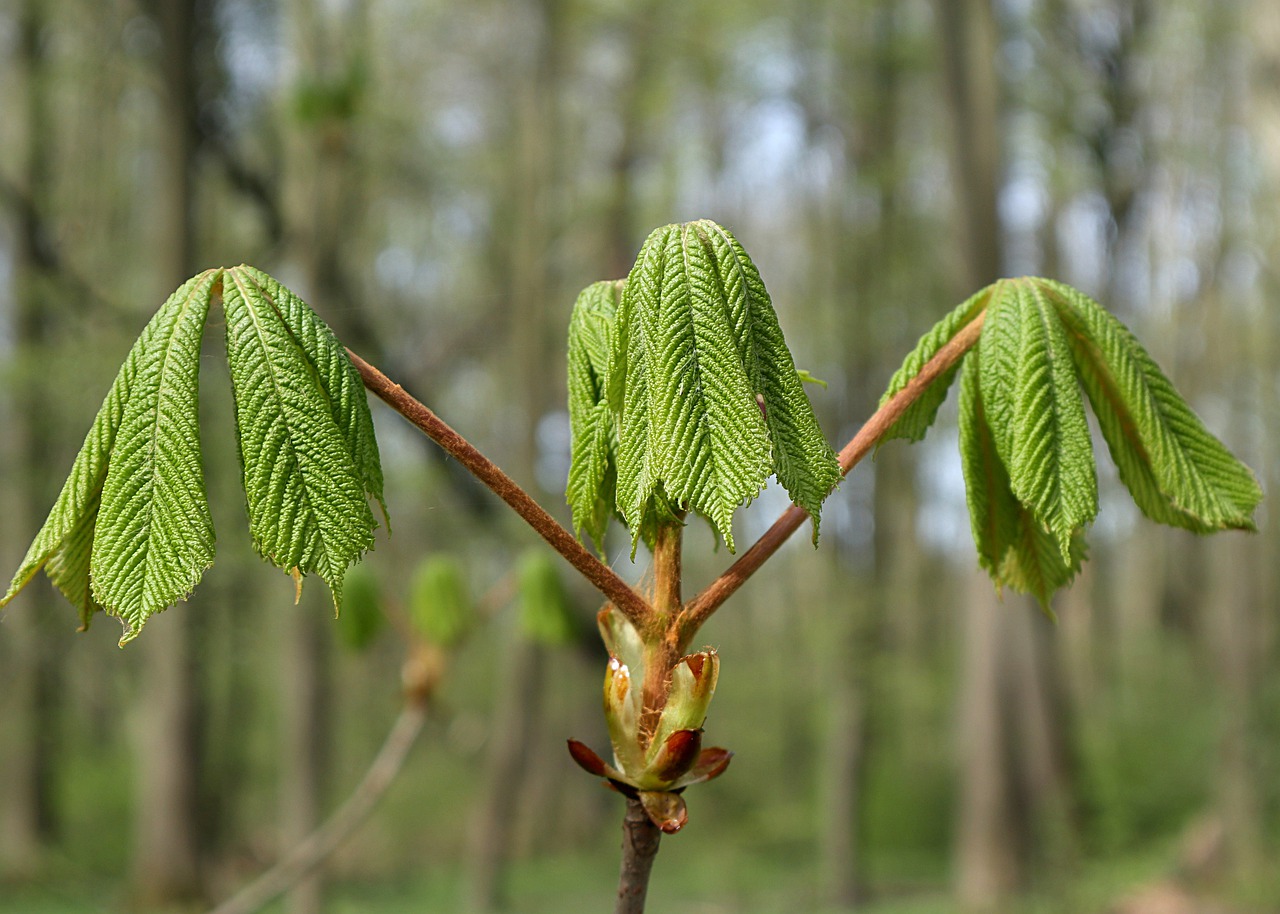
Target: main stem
[640,839]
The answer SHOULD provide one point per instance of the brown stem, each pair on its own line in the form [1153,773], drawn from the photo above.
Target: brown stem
[662,639]
[640,839]
[616,590]
[702,606]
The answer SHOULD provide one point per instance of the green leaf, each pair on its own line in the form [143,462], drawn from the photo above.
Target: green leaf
[1035,411]
[546,615]
[155,537]
[592,470]
[306,440]
[708,397]
[915,421]
[1013,546]
[1177,472]
[803,461]
[439,606]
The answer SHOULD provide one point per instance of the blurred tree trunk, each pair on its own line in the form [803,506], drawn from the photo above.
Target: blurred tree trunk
[33,681]
[321,205]
[1013,790]
[530,230]
[167,865]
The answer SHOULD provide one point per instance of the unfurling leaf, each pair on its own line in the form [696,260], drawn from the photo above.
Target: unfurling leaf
[131,532]
[707,398]
[1028,461]
[133,517]
[546,615]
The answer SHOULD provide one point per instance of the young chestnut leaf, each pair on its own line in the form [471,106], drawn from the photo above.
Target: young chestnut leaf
[131,532]
[1028,462]
[705,397]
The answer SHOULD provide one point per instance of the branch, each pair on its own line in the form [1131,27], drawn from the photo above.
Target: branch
[321,843]
[702,606]
[602,577]
[640,839]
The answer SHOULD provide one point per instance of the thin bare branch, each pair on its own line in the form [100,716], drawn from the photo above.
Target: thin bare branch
[320,844]
[640,838]
[601,576]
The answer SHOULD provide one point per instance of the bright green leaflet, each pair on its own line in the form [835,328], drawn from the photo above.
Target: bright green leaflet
[1177,472]
[439,606]
[592,470]
[303,479]
[708,399]
[1035,411]
[1013,546]
[133,517]
[913,423]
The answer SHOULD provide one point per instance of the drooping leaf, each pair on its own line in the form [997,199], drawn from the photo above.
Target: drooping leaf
[1013,546]
[1177,472]
[154,536]
[592,469]
[1034,409]
[305,439]
[803,461]
[439,605]
[697,366]
[156,380]
[913,423]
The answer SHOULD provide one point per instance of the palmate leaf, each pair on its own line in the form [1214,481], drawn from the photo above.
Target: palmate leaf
[131,531]
[306,440]
[139,471]
[592,470]
[1029,470]
[709,402]
[1177,472]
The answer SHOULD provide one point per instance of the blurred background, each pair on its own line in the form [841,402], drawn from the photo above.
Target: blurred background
[439,180]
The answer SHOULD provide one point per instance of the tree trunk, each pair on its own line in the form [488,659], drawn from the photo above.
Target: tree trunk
[167,866]
[29,821]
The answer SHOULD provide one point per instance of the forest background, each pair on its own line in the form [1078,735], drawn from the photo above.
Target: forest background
[439,180]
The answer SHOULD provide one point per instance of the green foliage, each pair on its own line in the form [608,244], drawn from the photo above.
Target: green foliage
[439,605]
[131,532]
[546,615]
[704,393]
[593,472]
[361,619]
[1025,447]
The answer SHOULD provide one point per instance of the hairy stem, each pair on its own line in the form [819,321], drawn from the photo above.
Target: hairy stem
[321,843]
[601,576]
[701,607]
[662,642]
[640,839]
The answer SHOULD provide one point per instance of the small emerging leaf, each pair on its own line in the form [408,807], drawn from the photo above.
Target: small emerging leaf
[545,613]
[439,605]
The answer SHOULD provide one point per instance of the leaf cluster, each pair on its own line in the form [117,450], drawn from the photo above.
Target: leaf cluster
[1025,444]
[683,395]
[131,532]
